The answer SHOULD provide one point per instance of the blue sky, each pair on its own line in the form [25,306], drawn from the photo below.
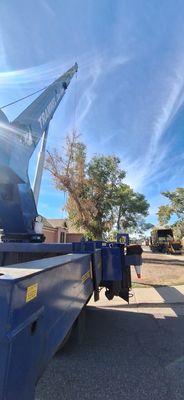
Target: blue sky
[129,90]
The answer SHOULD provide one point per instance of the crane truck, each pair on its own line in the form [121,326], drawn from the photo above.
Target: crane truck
[43,287]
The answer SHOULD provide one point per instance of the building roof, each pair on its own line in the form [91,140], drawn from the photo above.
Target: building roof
[58,223]
[46,223]
[64,223]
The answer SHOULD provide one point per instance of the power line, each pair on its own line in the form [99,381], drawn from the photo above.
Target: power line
[23,98]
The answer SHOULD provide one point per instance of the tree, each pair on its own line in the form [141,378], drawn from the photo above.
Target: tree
[164,214]
[97,196]
[176,199]
[137,230]
[130,208]
[176,208]
[102,175]
[69,175]
[143,226]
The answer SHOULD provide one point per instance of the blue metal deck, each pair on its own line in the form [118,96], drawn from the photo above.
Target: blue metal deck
[39,301]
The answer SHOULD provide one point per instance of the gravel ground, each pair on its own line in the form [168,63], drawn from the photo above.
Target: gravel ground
[127,353]
[160,269]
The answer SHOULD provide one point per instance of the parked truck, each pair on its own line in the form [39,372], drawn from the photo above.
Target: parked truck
[162,241]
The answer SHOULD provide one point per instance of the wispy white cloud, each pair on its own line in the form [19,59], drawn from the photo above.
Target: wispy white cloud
[35,75]
[148,169]
[49,9]
[3,55]
[101,65]
[89,94]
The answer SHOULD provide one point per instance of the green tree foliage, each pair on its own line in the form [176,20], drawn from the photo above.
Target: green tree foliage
[97,197]
[143,226]
[131,207]
[164,214]
[104,176]
[98,190]
[176,208]
[178,228]
[176,200]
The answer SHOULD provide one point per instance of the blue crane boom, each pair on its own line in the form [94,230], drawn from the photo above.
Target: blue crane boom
[18,141]
[34,120]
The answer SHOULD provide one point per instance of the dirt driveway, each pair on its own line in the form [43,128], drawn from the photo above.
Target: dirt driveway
[160,269]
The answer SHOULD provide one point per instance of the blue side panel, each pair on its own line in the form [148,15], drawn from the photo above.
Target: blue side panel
[97,261]
[31,331]
[50,248]
[112,264]
[94,250]
[96,258]
[5,297]
[100,243]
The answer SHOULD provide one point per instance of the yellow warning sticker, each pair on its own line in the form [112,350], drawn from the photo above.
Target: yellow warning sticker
[31,292]
[86,276]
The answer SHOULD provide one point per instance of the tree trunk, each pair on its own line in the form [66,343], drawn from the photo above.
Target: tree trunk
[119,219]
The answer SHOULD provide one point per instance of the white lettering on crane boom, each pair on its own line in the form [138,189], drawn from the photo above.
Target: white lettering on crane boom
[46,114]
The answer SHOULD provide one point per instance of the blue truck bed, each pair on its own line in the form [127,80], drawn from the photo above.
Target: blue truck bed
[39,301]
